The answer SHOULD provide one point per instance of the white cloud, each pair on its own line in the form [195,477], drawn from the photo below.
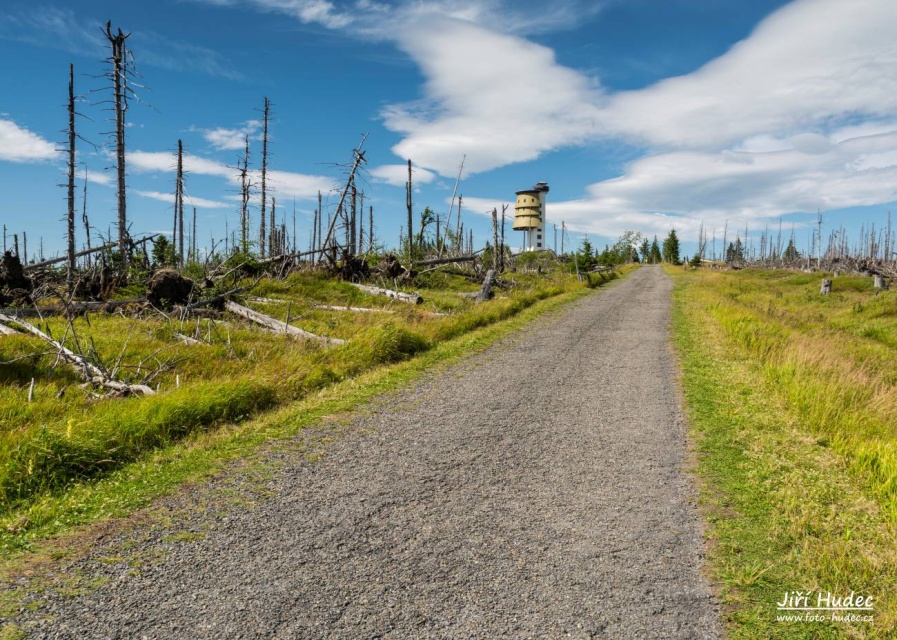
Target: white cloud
[282,184]
[397,174]
[520,105]
[225,139]
[163,161]
[96,177]
[285,184]
[191,201]
[21,145]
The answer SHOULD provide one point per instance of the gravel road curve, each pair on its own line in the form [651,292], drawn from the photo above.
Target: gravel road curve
[536,490]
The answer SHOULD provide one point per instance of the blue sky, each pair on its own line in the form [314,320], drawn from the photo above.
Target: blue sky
[640,114]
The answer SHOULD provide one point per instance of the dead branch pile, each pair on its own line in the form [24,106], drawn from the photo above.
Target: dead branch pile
[91,373]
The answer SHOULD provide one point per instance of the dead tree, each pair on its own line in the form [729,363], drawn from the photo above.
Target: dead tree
[264,195]
[408,204]
[826,287]
[371,229]
[272,324]
[359,158]
[353,220]
[501,260]
[452,205]
[85,221]
[245,185]
[194,253]
[89,371]
[70,267]
[320,227]
[494,239]
[360,246]
[410,298]
[178,234]
[120,90]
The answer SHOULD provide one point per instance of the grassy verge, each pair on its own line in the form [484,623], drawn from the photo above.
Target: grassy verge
[788,397]
[197,452]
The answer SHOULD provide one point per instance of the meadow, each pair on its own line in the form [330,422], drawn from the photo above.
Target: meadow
[792,398]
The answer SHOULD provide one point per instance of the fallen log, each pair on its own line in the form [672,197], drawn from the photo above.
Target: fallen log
[90,372]
[112,245]
[432,261]
[276,325]
[334,307]
[7,331]
[410,298]
[73,307]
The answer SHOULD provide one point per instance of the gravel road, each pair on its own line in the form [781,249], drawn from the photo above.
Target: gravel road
[536,490]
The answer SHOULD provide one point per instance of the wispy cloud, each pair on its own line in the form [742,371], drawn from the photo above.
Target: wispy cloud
[21,145]
[61,28]
[281,184]
[96,177]
[189,200]
[224,139]
[382,19]
[52,27]
[397,174]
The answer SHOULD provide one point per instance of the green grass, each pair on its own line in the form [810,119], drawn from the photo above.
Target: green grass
[788,404]
[97,459]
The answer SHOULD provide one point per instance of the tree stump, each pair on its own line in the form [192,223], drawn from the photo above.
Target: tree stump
[486,290]
[826,287]
[880,282]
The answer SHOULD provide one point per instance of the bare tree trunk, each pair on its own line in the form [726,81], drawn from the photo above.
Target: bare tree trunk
[353,221]
[451,206]
[320,223]
[263,239]
[119,83]
[194,252]
[408,203]
[359,158]
[70,270]
[360,223]
[501,260]
[83,219]
[179,206]
[244,210]
[494,239]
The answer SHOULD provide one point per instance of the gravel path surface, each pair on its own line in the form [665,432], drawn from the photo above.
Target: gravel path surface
[535,490]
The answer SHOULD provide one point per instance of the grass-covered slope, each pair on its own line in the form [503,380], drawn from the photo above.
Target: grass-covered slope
[792,397]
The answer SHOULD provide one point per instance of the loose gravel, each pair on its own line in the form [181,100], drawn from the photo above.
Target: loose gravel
[536,490]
